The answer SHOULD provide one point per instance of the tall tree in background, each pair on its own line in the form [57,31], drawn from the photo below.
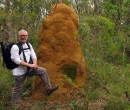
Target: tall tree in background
[96,10]
[22,14]
[114,9]
[6,22]
[128,14]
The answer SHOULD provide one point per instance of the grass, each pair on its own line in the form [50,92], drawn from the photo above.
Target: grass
[6,85]
[105,87]
[105,81]
[39,105]
[108,82]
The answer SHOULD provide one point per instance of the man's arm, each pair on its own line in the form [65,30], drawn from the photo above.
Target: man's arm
[34,65]
[34,57]
[23,63]
[35,61]
[15,54]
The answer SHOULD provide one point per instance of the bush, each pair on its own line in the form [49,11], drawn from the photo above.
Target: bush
[5,83]
[100,40]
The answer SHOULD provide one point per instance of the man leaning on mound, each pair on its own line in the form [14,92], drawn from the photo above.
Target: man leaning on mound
[19,72]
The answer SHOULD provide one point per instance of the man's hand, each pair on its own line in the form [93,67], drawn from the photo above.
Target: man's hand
[34,66]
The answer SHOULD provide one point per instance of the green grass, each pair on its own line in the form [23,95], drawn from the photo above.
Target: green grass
[6,85]
[104,81]
[109,82]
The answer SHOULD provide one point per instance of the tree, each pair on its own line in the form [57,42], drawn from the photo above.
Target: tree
[96,10]
[21,14]
[6,23]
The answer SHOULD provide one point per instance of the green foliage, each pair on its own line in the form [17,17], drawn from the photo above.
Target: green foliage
[76,103]
[116,9]
[66,2]
[27,88]
[103,46]
[109,83]
[98,37]
[5,83]
[23,15]
[2,106]
[63,1]
[2,17]
[117,104]
[38,105]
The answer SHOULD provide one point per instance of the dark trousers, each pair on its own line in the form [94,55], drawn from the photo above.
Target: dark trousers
[18,86]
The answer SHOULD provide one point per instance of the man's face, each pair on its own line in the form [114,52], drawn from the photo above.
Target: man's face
[23,36]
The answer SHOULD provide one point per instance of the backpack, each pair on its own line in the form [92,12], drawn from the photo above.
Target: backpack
[6,48]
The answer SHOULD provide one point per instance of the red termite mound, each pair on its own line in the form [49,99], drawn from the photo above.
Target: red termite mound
[59,52]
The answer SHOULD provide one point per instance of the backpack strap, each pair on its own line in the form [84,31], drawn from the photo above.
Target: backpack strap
[28,45]
[24,55]
[31,61]
[21,48]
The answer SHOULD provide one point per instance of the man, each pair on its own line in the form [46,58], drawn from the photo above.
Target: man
[19,73]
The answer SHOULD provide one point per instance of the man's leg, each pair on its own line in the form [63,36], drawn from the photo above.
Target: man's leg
[45,79]
[17,89]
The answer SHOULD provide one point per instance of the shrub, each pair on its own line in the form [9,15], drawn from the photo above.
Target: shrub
[5,83]
[100,40]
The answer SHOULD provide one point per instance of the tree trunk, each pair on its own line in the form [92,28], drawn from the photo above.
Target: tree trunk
[6,24]
[96,10]
[128,17]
